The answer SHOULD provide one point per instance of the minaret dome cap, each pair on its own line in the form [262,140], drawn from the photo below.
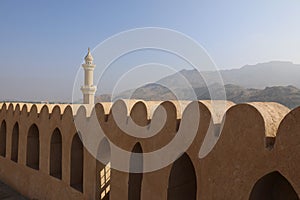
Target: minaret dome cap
[89,57]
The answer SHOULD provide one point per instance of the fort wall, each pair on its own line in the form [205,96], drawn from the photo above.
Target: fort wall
[256,140]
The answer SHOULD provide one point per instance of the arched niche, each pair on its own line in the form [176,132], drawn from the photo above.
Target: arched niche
[56,154]
[3,139]
[33,148]
[182,180]
[15,143]
[76,176]
[103,170]
[135,179]
[273,186]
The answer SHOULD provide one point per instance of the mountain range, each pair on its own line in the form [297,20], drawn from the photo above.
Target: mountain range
[275,81]
[275,73]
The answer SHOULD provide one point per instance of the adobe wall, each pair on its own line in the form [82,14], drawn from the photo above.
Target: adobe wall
[256,139]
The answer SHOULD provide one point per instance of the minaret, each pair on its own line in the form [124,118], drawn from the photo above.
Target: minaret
[88,89]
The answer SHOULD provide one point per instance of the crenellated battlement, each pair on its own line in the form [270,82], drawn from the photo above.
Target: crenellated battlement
[272,113]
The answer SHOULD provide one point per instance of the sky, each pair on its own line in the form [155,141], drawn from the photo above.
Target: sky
[42,43]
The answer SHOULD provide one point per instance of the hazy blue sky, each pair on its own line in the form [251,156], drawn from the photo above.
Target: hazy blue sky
[42,43]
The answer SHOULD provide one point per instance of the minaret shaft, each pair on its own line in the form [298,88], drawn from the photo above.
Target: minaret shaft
[88,89]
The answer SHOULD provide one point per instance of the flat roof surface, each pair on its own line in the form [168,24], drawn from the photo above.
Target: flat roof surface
[7,193]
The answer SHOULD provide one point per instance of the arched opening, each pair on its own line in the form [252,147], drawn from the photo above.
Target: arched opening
[135,179]
[33,148]
[3,139]
[182,180]
[273,186]
[76,180]
[103,170]
[15,143]
[56,154]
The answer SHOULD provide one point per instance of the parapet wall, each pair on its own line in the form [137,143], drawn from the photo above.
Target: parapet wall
[255,139]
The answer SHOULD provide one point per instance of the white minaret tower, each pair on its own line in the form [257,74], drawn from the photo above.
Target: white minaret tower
[88,89]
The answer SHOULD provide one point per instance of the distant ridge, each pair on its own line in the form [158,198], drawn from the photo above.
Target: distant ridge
[274,81]
[274,73]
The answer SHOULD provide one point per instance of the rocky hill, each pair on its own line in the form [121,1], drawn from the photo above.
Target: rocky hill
[286,95]
[275,73]
[275,81]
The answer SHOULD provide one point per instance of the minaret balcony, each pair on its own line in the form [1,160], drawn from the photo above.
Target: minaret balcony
[88,89]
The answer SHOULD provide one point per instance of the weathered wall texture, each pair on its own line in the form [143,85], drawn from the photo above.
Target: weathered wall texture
[256,157]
